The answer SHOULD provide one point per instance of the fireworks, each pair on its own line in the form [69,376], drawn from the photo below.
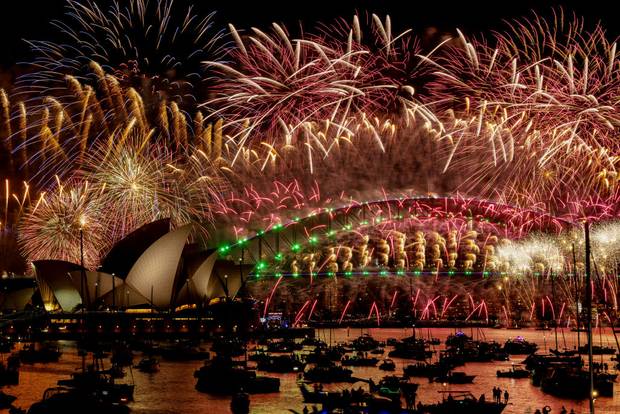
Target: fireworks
[535,254]
[55,136]
[58,220]
[155,47]
[523,111]
[139,183]
[311,92]
[363,151]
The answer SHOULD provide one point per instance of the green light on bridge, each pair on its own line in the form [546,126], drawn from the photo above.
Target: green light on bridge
[296,247]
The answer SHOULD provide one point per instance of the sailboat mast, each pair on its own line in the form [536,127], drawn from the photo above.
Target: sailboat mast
[555,324]
[589,315]
[577,318]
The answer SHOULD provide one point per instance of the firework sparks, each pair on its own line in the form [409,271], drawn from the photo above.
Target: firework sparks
[155,47]
[53,228]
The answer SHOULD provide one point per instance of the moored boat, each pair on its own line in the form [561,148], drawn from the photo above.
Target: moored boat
[455,377]
[387,365]
[148,365]
[222,375]
[461,402]
[513,372]
[62,400]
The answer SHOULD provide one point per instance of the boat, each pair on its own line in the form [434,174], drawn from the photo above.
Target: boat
[310,341]
[566,352]
[359,360]
[116,371]
[391,341]
[541,361]
[474,351]
[227,345]
[574,383]
[148,365]
[222,375]
[61,400]
[423,369]
[355,400]
[6,400]
[411,348]
[43,353]
[99,383]
[283,346]
[122,356]
[452,358]
[6,345]
[240,403]
[458,339]
[365,343]
[331,399]
[455,377]
[325,354]
[461,402]
[182,351]
[9,372]
[514,372]
[597,350]
[387,365]
[519,346]
[392,386]
[328,373]
[279,363]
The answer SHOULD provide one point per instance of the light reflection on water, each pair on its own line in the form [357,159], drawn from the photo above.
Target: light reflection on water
[171,391]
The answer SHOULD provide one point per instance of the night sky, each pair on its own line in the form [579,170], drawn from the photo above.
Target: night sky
[30,19]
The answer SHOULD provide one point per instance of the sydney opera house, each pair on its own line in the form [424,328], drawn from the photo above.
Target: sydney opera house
[152,267]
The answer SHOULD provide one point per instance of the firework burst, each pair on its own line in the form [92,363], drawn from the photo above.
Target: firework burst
[54,136]
[522,110]
[52,229]
[138,183]
[155,47]
[311,92]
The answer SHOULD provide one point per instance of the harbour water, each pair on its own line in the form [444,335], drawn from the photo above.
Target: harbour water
[171,391]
